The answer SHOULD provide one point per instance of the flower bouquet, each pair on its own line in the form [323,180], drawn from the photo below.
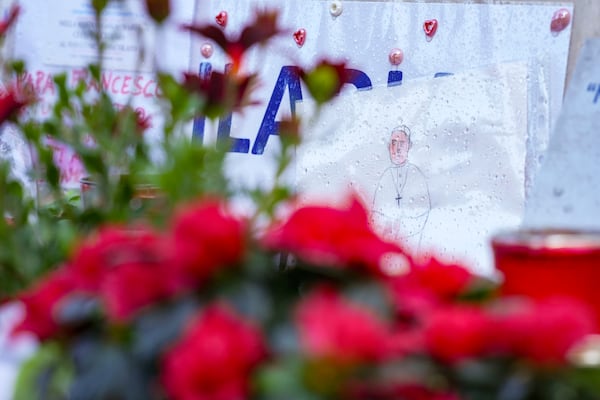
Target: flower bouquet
[193,299]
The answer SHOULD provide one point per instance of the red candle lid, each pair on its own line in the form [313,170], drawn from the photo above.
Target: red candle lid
[548,240]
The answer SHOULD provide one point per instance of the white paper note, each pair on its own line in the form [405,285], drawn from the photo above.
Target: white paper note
[464,174]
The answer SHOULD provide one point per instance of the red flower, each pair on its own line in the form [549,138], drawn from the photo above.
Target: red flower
[143,122]
[132,286]
[406,340]
[129,269]
[6,23]
[543,332]
[113,247]
[335,329]
[214,359]
[221,92]
[427,287]
[412,302]
[206,238]
[11,101]
[446,281]
[262,29]
[42,302]
[329,236]
[453,334]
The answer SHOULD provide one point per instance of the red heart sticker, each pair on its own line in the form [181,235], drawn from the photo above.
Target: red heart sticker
[300,37]
[430,27]
[560,20]
[221,19]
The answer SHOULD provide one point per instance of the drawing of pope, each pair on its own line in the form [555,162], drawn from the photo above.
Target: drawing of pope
[401,202]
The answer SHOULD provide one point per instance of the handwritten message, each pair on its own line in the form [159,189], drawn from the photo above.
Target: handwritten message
[54,38]
[124,29]
[594,88]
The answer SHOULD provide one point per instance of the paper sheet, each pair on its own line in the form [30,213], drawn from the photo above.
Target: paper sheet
[566,192]
[463,174]
[52,38]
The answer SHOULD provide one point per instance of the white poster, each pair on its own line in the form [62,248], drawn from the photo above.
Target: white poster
[125,28]
[438,162]
[435,39]
[53,37]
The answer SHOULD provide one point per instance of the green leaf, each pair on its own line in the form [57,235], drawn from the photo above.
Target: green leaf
[322,83]
[587,380]
[95,71]
[93,161]
[192,171]
[282,380]
[160,327]
[47,375]
[78,310]
[60,81]
[99,5]
[106,372]
[18,67]
[181,104]
[32,131]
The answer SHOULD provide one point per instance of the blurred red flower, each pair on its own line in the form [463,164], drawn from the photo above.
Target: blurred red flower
[214,358]
[542,332]
[132,286]
[220,92]
[427,286]
[456,333]
[335,329]
[112,247]
[41,303]
[206,238]
[143,121]
[446,281]
[259,31]
[11,101]
[128,268]
[411,301]
[333,237]
[9,21]
[406,340]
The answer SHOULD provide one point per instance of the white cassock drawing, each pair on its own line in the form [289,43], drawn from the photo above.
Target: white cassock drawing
[401,201]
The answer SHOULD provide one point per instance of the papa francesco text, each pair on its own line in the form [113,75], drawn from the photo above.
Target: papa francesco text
[138,85]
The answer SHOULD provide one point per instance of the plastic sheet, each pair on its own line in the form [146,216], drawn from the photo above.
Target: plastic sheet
[464,175]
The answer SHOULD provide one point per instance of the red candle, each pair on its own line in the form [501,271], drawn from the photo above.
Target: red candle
[548,263]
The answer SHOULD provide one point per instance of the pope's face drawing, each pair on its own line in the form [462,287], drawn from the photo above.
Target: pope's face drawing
[399,145]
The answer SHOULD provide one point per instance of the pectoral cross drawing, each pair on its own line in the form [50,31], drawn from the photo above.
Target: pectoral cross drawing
[398,198]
